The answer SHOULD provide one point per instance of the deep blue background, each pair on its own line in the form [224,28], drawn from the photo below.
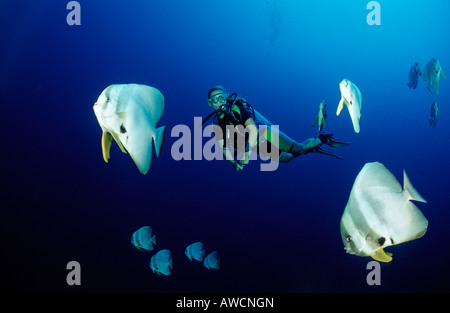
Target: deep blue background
[275,231]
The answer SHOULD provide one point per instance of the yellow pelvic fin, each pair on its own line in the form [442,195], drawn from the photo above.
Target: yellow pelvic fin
[106,145]
[340,107]
[382,256]
[443,74]
[116,138]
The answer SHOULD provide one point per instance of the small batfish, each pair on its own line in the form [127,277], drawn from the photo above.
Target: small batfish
[351,97]
[161,262]
[414,74]
[431,74]
[211,261]
[321,116]
[143,238]
[379,213]
[434,113]
[195,251]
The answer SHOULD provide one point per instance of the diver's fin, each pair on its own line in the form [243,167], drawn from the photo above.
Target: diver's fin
[329,140]
[340,107]
[317,149]
[382,256]
[336,143]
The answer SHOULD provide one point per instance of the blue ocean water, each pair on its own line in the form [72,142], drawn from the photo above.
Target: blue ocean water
[275,231]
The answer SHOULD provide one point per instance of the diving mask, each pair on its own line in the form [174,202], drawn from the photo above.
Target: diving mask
[220,97]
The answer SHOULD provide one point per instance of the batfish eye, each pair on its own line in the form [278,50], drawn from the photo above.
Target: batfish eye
[348,239]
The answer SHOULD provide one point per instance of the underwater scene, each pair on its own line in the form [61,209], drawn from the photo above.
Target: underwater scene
[120,174]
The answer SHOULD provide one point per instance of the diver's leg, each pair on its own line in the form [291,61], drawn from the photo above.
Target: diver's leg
[289,145]
[286,157]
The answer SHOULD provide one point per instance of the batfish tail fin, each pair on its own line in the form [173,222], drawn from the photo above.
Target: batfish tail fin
[159,139]
[432,122]
[170,263]
[315,121]
[409,192]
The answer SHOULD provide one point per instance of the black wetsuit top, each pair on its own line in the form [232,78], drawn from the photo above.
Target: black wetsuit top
[236,115]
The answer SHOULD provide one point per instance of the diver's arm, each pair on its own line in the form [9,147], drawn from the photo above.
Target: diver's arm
[250,125]
[229,157]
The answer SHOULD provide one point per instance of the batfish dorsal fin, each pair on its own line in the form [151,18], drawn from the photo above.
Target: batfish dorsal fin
[410,192]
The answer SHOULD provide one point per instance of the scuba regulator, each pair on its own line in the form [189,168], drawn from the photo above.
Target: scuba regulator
[224,108]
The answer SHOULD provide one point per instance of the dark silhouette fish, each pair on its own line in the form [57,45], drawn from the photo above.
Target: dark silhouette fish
[414,74]
[433,114]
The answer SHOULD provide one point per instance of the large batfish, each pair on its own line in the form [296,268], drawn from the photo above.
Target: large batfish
[129,114]
[379,213]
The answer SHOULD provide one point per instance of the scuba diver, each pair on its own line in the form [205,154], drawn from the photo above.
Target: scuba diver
[231,110]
